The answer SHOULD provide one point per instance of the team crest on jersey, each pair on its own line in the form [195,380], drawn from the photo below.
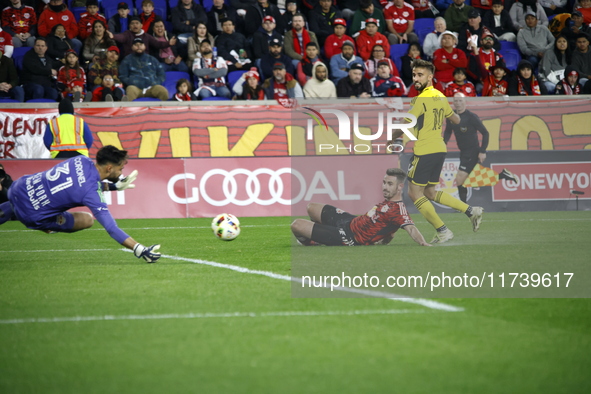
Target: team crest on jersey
[65,17]
[454,56]
[463,129]
[378,41]
[61,220]
[385,208]
[1,39]
[468,90]
[405,14]
[26,15]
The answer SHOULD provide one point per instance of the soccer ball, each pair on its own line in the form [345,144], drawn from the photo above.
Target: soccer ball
[226,226]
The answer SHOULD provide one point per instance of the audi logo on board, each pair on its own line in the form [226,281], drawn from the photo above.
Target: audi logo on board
[262,186]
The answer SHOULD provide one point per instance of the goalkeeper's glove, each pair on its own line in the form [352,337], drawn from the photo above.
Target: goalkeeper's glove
[127,182]
[150,254]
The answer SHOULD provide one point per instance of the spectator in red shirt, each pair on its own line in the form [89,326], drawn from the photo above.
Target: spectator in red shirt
[20,21]
[447,58]
[423,9]
[88,18]
[400,21]
[335,41]
[6,43]
[496,84]
[148,16]
[460,84]
[369,37]
[57,13]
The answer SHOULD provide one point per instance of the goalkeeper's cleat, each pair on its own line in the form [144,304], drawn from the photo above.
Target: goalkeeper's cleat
[508,175]
[476,217]
[150,254]
[442,236]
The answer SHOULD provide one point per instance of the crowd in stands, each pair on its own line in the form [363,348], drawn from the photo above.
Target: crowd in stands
[186,50]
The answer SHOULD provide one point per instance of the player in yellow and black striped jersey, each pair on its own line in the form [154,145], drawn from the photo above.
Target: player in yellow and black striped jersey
[431,108]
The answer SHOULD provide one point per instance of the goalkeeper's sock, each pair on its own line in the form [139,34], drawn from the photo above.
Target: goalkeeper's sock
[6,212]
[449,201]
[427,209]
[463,192]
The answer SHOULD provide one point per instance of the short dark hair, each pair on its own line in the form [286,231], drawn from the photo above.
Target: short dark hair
[224,20]
[205,41]
[298,14]
[460,70]
[364,4]
[110,154]
[312,44]
[420,63]
[396,172]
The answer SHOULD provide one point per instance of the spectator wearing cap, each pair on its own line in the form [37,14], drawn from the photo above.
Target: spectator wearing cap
[38,73]
[524,82]
[211,71]
[275,55]
[219,11]
[319,86]
[342,62]
[248,86]
[431,43]
[282,85]
[185,17]
[297,38]
[447,58]
[496,84]
[257,12]
[57,45]
[569,85]
[520,8]
[263,36]
[370,37]
[575,29]
[498,20]
[119,22]
[483,57]
[366,11]
[20,21]
[582,60]
[354,85]
[534,40]
[400,21]
[9,87]
[471,32]
[377,55]
[88,18]
[95,46]
[108,65]
[304,68]
[148,16]
[71,79]
[384,84]
[456,15]
[321,20]
[233,47]
[554,7]
[460,84]
[125,40]
[6,43]
[334,42]
[142,74]
[57,13]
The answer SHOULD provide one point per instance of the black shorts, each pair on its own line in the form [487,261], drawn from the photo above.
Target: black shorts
[426,169]
[337,222]
[468,161]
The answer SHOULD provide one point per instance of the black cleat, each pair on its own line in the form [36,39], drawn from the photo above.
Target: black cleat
[508,175]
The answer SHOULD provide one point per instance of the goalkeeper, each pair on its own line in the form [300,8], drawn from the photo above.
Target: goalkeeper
[41,201]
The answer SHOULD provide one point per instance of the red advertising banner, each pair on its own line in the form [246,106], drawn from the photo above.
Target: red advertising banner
[272,130]
[267,186]
[543,181]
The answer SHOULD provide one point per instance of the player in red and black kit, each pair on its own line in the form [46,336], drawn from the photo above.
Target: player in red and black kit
[332,226]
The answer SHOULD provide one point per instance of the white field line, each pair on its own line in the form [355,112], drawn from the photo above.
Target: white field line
[394,297]
[284,225]
[212,315]
[55,250]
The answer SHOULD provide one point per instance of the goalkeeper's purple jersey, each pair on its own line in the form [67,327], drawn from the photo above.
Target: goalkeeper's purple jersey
[72,183]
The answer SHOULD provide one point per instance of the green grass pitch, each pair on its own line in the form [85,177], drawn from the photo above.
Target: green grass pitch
[182,327]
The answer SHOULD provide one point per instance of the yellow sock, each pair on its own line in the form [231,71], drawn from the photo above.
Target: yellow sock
[447,200]
[428,211]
